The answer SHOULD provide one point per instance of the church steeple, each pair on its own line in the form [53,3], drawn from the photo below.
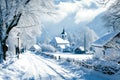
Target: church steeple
[63,31]
[63,34]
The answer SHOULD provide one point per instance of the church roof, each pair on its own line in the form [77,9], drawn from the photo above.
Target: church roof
[105,39]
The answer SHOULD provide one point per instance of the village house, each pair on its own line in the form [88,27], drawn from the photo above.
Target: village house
[108,46]
[61,43]
[35,48]
[80,50]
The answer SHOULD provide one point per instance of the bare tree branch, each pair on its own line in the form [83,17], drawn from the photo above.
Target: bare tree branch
[102,2]
[13,24]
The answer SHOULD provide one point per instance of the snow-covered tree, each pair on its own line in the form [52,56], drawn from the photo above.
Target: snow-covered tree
[77,38]
[10,13]
[112,16]
[20,17]
[47,48]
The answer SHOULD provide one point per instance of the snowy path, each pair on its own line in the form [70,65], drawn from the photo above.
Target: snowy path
[33,67]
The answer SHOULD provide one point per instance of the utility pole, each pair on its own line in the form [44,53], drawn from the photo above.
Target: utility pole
[85,43]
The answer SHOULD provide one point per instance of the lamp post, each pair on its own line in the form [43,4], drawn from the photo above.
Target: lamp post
[18,47]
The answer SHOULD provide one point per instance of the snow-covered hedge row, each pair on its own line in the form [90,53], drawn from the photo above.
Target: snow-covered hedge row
[106,67]
[47,48]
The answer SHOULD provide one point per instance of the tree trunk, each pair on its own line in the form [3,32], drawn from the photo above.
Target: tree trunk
[1,52]
[5,49]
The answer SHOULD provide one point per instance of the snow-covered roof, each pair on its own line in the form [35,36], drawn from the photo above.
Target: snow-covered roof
[62,46]
[61,41]
[81,48]
[35,47]
[105,39]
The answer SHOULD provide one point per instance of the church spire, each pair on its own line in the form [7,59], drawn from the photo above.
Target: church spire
[63,34]
[63,31]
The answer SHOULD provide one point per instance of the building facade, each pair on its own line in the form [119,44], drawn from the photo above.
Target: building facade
[108,45]
[61,43]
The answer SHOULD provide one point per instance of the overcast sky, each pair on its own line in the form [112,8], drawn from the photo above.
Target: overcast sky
[85,10]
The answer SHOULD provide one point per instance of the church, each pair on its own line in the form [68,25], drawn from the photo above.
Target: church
[61,42]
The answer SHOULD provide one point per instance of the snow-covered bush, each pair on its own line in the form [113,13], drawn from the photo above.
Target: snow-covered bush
[112,54]
[106,67]
[47,48]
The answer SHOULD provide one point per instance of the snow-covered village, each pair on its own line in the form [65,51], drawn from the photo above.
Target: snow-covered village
[59,40]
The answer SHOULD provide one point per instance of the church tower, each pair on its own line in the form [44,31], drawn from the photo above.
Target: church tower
[64,34]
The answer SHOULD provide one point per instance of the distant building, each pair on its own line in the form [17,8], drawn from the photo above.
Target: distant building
[80,50]
[61,43]
[107,45]
[35,48]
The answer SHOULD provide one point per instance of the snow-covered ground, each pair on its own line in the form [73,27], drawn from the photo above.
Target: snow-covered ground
[72,56]
[35,67]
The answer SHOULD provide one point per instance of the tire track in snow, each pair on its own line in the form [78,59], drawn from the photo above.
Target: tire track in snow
[38,58]
[33,60]
[50,66]
[53,62]
[33,65]
[62,69]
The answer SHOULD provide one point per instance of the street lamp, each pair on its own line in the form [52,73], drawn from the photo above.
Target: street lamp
[18,47]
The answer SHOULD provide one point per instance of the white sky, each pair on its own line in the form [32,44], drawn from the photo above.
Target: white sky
[85,10]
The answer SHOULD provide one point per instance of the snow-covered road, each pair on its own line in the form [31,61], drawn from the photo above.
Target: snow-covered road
[34,67]
[47,70]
